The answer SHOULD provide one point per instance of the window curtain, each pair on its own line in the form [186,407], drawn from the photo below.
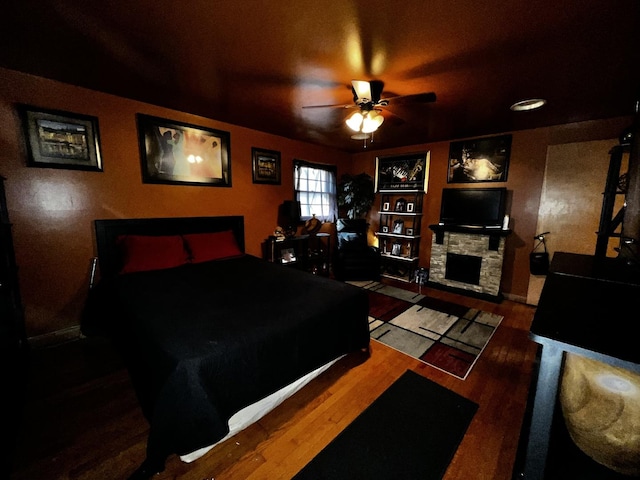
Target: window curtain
[316,189]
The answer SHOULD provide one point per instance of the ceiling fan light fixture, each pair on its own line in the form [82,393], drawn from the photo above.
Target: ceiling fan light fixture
[354,121]
[528,104]
[372,120]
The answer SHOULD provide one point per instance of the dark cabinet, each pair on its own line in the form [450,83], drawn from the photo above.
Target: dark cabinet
[13,342]
[306,252]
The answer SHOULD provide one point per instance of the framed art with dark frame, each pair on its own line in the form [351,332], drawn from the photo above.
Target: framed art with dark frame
[183,154]
[479,160]
[400,173]
[266,166]
[58,139]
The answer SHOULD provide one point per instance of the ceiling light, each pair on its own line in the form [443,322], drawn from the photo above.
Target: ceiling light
[529,104]
[365,121]
[354,122]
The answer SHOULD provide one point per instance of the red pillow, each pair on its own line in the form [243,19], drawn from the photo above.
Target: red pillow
[212,246]
[144,252]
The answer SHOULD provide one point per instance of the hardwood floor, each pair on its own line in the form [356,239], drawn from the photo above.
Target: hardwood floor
[82,421]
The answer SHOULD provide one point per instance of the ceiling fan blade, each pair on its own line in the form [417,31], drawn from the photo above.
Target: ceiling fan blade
[429,97]
[392,118]
[361,90]
[338,105]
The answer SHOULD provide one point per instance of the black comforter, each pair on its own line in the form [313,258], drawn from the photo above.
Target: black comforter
[203,341]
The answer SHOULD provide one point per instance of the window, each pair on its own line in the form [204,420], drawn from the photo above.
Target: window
[315,187]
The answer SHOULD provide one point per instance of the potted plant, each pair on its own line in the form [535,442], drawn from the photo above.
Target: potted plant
[356,194]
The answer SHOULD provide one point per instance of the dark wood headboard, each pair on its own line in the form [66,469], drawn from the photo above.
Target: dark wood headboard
[107,232]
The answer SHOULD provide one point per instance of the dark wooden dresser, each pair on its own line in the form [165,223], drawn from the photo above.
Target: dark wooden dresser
[13,342]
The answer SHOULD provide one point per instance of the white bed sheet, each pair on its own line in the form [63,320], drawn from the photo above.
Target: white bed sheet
[256,411]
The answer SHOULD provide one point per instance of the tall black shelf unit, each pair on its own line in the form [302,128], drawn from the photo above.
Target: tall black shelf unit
[399,233]
[616,185]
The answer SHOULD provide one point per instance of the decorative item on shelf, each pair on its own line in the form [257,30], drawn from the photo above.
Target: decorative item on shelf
[385,207]
[385,229]
[278,233]
[312,226]
[410,207]
[396,249]
[401,205]
[288,255]
[408,231]
[398,226]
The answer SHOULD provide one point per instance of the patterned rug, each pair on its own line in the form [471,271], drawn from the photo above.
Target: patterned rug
[445,335]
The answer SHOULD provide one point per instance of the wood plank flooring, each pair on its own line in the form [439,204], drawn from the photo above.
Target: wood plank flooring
[81,418]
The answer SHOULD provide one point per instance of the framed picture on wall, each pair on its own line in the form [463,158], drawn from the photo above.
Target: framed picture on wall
[266,166]
[399,173]
[58,139]
[479,160]
[183,154]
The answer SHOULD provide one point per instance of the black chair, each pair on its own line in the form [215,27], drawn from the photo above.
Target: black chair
[354,258]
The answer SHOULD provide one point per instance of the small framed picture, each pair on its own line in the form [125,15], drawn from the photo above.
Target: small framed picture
[396,249]
[266,166]
[410,207]
[398,226]
[385,229]
[385,207]
[57,139]
[287,255]
[408,231]
[401,205]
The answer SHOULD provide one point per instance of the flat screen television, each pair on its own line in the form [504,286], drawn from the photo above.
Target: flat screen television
[473,207]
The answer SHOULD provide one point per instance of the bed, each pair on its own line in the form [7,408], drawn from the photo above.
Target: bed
[206,330]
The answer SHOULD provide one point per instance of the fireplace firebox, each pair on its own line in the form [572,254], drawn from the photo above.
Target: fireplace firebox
[463,268]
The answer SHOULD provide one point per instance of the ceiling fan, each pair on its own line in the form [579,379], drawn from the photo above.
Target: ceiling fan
[366,97]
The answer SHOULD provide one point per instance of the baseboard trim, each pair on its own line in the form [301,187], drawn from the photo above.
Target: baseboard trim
[55,338]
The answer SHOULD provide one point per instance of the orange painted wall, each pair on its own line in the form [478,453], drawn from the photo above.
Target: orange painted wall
[52,210]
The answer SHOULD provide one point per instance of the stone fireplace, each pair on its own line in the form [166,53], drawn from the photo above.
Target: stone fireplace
[468,260]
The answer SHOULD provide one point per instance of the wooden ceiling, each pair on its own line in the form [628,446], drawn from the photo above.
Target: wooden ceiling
[256,64]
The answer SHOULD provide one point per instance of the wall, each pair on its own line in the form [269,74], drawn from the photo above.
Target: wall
[52,210]
[524,183]
[578,168]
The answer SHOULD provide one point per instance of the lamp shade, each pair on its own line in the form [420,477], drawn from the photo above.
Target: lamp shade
[371,121]
[365,122]
[354,122]
[289,213]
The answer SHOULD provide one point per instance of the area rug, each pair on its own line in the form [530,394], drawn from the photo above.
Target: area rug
[409,432]
[443,334]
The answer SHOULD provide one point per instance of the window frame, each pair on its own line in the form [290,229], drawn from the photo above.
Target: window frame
[331,204]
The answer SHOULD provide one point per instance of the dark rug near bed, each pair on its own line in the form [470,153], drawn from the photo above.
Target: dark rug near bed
[409,432]
[443,334]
